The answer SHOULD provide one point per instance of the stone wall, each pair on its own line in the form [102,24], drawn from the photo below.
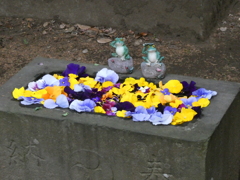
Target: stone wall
[185,18]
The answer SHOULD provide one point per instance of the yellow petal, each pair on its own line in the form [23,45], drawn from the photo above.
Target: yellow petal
[18,92]
[99,109]
[121,113]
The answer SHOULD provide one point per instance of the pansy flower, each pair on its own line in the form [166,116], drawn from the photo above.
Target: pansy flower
[204,93]
[75,69]
[106,75]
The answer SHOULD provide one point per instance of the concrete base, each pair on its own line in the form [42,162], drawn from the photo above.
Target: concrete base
[45,145]
[194,18]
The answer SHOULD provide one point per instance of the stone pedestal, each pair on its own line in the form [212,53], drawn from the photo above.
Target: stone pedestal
[45,145]
[153,70]
[120,66]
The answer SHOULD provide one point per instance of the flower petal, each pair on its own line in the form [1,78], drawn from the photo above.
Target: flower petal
[50,104]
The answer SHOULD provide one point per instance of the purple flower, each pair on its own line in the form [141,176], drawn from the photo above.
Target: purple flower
[82,106]
[107,106]
[30,100]
[166,91]
[140,114]
[64,82]
[188,101]
[106,75]
[170,109]
[61,102]
[78,95]
[34,86]
[198,110]
[160,108]
[128,106]
[151,110]
[203,93]
[188,88]
[75,69]
[81,88]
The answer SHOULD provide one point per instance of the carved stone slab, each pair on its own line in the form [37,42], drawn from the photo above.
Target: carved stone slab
[43,144]
[120,66]
[153,70]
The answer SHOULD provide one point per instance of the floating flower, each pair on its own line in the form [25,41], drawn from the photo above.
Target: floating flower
[82,106]
[121,113]
[106,75]
[184,116]
[18,92]
[158,118]
[52,92]
[75,69]
[188,88]
[49,80]
[99,109]
[189,101]
[30,100]
[203,102]
[174,86]
[173,103]
[140,114]
[61,102]
[203,93]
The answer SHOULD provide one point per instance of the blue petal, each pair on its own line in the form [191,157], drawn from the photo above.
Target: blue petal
[50,104]
[50,80]
[106,75]
[151,110]
[62,101]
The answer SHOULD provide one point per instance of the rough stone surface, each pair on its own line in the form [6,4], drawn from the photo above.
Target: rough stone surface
[120,66]
[192,18]
[45,145]
[153,70]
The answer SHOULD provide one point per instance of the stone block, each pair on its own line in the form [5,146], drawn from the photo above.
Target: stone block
[44,144]
[187,18]
[120,66]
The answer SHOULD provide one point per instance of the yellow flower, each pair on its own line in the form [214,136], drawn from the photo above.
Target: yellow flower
[129,97]
[174,86]
[153,99]
[18,92]
[38,94]
[176,103]
[99,109]
[184,116]
[58,76]
[152,86]
[130,80]
[203,102]
[126,87]
[141,82]
[89,81]
[107,84]
[72,76]
[121,113]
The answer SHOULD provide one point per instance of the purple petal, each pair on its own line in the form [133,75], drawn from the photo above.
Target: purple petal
[71,69]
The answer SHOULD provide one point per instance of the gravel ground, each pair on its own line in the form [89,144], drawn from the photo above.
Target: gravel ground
[23,39]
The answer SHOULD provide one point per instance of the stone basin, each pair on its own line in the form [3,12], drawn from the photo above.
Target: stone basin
[44,144]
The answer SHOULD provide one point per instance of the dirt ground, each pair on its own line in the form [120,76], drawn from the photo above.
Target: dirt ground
[23,39]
